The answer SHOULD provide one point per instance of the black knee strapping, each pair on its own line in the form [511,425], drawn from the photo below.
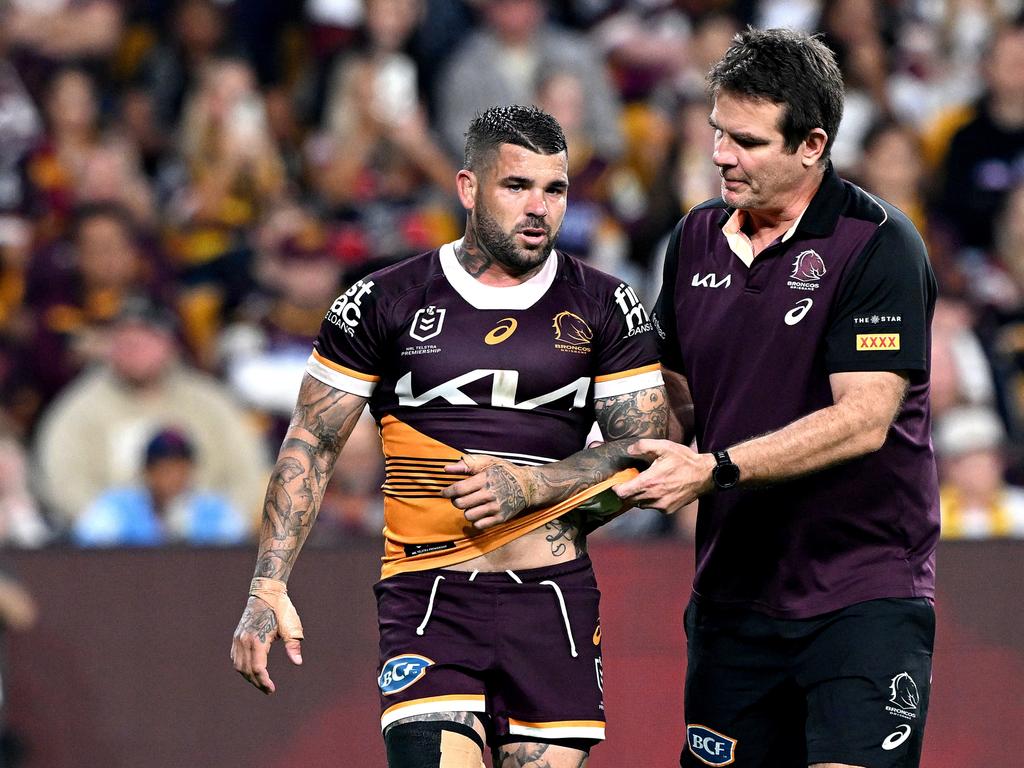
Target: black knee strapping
[418,744]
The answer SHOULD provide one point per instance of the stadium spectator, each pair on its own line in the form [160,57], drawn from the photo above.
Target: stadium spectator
[91,437]
[54,166]
[21,521]
[501,62]
[197,35]
[165,507]
[231,173]
[986,156]
[377,163]
[76,288]
[976,500]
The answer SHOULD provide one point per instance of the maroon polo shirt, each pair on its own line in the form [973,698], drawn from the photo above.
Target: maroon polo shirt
[849,290]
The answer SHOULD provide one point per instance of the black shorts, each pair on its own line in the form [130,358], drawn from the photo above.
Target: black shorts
[847,687]
[522,649]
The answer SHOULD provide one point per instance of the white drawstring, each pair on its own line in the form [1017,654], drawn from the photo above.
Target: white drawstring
[565,614]
[430,606]
[515,578]
[473,575]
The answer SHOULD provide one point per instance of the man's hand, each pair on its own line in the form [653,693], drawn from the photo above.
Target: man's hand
[677,475]
[496,490]
[250,645]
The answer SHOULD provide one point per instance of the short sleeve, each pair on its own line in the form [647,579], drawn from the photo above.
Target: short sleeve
[627,358]
[882,314]
[665,307]
[347,353]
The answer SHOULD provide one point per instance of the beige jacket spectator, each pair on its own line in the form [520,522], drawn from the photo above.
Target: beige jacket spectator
[93,435]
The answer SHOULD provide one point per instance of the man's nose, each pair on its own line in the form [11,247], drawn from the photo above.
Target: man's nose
[536,204]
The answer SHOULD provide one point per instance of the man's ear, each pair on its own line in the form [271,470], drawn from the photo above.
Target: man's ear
[466,184]
[813,147]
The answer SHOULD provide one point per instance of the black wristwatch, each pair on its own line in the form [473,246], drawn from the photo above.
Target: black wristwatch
[725,474]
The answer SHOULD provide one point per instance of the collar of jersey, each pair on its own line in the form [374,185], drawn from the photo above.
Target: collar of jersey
[480,296]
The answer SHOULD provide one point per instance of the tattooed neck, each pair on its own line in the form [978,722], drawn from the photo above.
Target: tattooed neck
[473,255]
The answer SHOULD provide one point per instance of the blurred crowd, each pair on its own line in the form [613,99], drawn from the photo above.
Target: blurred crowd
[186,185]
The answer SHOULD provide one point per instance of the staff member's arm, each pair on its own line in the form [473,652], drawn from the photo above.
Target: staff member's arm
[865,405]
[498,490]
[321,423]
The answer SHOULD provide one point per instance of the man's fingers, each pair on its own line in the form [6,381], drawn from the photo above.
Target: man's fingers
[464,487]
[294,650]
[650,449]
[474,499]
[261,679]
[489,521]
[471,464]
[478,512]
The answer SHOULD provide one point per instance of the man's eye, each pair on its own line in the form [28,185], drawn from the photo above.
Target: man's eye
[515,187]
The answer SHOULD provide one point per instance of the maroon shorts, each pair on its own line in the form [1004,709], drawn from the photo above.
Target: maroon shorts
[521,647]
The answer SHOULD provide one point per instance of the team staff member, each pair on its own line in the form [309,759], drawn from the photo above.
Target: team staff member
[797,310]
[500,345]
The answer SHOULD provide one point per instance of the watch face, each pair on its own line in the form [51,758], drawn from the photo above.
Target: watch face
[726,475]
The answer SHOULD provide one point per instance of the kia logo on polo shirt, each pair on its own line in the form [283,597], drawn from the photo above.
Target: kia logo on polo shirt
[710,280]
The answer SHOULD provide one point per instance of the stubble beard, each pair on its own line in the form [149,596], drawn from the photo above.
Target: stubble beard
[501,245]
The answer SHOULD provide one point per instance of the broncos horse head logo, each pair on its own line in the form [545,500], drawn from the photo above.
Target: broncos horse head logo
[808,267]
[904,691]
[572,329]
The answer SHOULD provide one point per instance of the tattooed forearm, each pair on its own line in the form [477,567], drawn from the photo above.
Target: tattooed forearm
[323,419]
[563,532]
[623,420]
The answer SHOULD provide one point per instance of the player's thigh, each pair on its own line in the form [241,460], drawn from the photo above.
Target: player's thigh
[868,677]
[741,706]
[436,740]
[526,754]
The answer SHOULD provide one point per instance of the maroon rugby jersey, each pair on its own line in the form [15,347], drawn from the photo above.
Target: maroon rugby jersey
[452,366]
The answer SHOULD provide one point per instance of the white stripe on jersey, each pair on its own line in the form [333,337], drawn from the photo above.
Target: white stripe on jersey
[563,732]
[627,384]
[339,380]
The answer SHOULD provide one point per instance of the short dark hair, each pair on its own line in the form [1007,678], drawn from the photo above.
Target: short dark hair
[528,127]
[793,69]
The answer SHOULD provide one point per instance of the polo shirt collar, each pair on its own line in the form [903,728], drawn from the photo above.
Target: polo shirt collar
[819,218]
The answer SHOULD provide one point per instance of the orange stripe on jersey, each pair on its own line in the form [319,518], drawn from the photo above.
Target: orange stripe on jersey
[433,700]
[631,372]
[342,369]
[415,513]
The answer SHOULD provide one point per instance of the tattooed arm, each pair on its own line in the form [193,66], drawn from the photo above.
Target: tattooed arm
[321,423]
[498,490]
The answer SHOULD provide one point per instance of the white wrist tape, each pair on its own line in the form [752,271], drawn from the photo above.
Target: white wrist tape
[275,594]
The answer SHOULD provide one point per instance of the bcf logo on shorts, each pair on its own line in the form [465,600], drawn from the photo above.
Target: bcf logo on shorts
[400,672]
[709,746]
